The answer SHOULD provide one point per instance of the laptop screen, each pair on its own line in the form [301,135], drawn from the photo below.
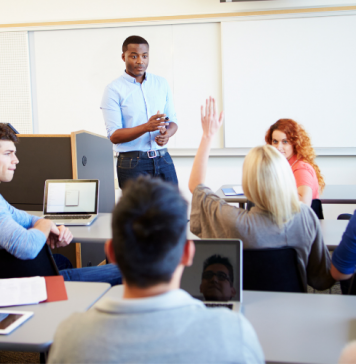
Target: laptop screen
[216,273]
[71,196]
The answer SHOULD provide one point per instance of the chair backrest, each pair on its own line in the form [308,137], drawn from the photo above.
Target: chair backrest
[318,208]
[272,269]
[352,286]
[42,265]
[344,217]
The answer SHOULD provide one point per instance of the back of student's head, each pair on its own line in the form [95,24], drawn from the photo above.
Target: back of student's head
[6,133]
[269,183]
[149,231]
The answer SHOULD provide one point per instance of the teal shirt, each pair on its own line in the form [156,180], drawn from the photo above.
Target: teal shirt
[16,235]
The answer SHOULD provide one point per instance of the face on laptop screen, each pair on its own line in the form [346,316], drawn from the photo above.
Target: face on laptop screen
[68,197]
[215,274]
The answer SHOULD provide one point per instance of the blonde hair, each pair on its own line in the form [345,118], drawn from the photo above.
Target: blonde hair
[268,182]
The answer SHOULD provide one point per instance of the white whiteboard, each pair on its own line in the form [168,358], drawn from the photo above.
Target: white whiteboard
[302,68]
[71,68]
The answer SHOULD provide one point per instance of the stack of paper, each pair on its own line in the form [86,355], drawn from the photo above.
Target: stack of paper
[238,190]
[22,291]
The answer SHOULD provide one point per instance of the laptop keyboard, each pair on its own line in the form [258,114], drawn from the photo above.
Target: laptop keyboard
[68,217]
[227,305]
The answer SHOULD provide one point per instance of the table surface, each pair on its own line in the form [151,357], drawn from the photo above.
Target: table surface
[37,333]
[100,231]
[297,327]
[332,194]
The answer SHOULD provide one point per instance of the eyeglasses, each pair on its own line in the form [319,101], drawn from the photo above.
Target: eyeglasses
[221,276]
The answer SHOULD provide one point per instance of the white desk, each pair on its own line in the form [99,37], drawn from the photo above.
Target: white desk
[332,231]
[339,194]
[241,200]
[332,194]
[297,327]
[37,333]
[99,231]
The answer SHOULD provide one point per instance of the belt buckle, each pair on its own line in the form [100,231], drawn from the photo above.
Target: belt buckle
[152,154]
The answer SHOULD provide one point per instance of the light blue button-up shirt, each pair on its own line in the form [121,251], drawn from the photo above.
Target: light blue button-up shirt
[127,103]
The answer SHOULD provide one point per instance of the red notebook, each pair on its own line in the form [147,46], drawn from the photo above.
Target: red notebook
[56,289]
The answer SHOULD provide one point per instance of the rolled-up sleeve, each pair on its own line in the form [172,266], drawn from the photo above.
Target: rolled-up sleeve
[344,256]
[111,110]
[212,217]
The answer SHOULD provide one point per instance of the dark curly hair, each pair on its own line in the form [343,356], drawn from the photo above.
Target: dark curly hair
[6,133]
[300,141]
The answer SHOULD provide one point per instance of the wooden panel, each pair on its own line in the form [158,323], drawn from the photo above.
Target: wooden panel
[78,254]
[74,23]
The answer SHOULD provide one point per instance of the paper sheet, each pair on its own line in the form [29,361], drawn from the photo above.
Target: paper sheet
[22,291]
[238,190]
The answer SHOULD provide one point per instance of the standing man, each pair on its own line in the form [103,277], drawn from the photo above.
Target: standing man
[140,117]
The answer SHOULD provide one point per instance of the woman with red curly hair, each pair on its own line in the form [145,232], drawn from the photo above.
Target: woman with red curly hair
[294,143]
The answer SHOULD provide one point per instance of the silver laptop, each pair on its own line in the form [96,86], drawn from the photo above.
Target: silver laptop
[215,276]
[71,202]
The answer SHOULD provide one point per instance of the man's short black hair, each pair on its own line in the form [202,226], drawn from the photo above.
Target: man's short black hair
[149,231]
[133,39]
[218,259]
[6,133]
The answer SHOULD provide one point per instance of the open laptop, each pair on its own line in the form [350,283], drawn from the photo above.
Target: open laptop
[71,202]
[220,283]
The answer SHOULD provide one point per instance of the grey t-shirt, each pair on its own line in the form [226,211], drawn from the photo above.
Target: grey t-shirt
[212,217]
[169,328]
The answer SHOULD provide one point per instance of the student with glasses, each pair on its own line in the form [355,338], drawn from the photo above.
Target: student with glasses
[217,279]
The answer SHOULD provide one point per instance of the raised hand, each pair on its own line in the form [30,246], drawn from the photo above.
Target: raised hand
[210,120]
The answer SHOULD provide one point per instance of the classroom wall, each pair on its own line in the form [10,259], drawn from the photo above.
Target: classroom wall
[222,170]
[22,11]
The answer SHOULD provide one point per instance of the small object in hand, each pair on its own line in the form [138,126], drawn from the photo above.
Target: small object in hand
[166,118]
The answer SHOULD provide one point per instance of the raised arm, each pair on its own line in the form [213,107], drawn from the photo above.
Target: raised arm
[211,122]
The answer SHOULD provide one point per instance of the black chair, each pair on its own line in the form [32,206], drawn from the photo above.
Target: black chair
[317,208]
[272,269]
[42,265]
[344,217]
[352,285]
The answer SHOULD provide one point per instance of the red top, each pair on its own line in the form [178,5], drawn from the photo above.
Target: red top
[304,175]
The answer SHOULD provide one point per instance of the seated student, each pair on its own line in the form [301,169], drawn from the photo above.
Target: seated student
[217,279]
[344,256]
[155,321]
[294,143]
[24,235]
[278,218]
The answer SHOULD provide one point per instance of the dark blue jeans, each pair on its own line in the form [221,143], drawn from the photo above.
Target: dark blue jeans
[108,273]
[131,168]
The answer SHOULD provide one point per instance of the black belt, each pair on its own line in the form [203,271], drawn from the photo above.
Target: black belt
[139,154]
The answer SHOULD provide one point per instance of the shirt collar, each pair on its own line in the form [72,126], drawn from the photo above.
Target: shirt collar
[292,159]
[131,79]
[166,301]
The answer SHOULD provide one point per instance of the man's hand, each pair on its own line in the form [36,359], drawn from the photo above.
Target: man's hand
[63,238]
[163,138]
[46,226]
[156,122]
